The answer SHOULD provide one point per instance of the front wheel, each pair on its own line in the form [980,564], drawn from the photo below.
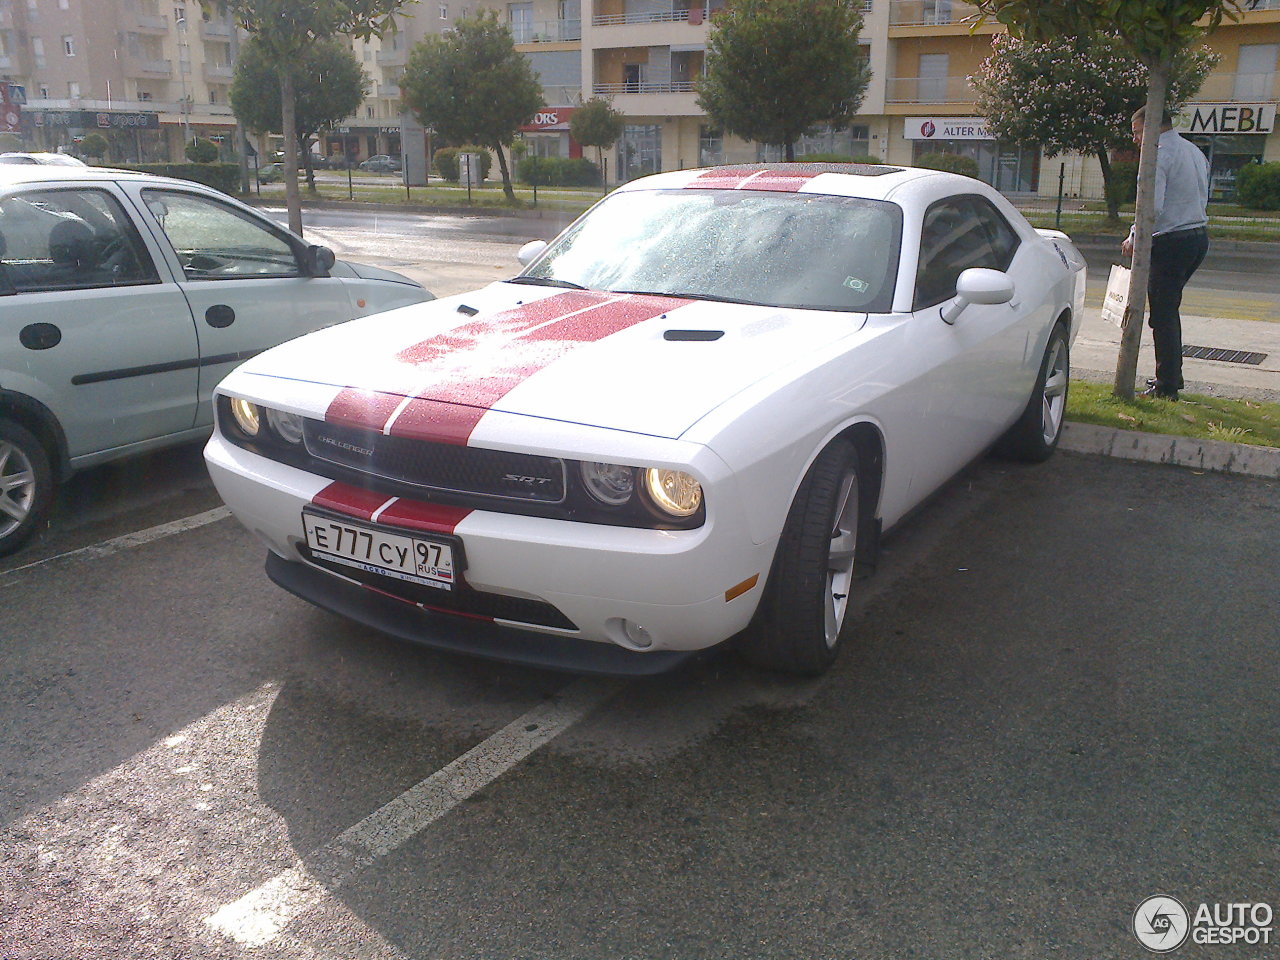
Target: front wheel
[1035,435]
[26,486]
[798,626]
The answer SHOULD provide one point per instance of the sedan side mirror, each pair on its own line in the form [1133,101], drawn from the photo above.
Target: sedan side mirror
[978,285]
[530,252]
[319,260]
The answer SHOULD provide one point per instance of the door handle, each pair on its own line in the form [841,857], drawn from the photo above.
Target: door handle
[220,315]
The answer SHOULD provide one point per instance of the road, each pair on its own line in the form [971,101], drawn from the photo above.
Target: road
[1059,700]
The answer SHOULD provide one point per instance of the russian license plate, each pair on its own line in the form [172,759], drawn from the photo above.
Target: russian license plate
[376,550]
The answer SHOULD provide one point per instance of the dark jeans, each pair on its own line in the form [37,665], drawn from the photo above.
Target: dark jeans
[1174,258]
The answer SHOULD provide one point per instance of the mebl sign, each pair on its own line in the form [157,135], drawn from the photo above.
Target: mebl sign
[1209,118]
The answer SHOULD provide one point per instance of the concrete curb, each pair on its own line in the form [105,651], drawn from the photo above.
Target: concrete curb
[1217,456]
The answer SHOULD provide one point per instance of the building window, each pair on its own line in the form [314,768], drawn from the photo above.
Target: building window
[144,94]
[520,17]
[37,50]
[444,11]
[73,89]
[64,4]
[710,147]
[69,46]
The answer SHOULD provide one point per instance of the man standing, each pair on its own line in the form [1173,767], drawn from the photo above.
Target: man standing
[1179,243]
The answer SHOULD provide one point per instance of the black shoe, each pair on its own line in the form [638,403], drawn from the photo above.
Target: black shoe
[1157,391]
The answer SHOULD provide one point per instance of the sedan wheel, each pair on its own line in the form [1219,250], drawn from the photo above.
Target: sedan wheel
[797,628]
[1035,435]
[26,486]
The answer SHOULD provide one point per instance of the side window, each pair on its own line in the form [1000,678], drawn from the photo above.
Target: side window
[69,239]
[215,241]
[957,234]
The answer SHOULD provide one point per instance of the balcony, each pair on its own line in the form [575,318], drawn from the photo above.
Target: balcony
[391,58]
[389,91]
[547,31]
[932,13]
[216,30]
[928,90]
[564,95]
[219,72]
[616,20]
[1241,87]
[155,24]
[152,69]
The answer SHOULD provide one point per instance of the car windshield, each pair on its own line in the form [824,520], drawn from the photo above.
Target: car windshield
[778,249]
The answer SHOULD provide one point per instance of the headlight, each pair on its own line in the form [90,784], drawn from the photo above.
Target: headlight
[246,416]
[288,426]
[673,492]
[610,483]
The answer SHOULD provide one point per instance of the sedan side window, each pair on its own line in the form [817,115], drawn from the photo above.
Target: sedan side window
[214,241]
[69,239]
[957,234]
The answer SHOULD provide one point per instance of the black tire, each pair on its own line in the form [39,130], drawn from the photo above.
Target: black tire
[797,628]
[26,486]
[1035,435]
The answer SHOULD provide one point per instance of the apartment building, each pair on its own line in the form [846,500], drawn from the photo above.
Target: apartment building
[147,74]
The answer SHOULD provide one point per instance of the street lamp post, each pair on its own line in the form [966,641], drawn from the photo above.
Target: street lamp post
[184,64]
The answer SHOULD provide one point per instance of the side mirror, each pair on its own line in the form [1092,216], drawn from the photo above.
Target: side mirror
[978,285]
[530,252]
[319,260]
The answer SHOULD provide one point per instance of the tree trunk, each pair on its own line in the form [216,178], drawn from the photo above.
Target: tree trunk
[506,174]
[290,131]
[1145,218]
[308,165]
[1108,190]
[791,152]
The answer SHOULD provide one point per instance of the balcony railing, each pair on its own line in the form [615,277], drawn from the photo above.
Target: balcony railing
[151,23]
[674,86]
[149,68]
[218,71]
[391,58]
[389,90]
[1241,87]
[215,29]
[615,20]
[547,31]
[922,13]
[928,90]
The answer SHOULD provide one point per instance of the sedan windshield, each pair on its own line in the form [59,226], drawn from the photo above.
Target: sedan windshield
[778,249]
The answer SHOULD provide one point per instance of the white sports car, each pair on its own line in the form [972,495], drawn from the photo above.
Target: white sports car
[688,419]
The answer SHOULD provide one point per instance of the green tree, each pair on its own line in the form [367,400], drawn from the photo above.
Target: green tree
[596,124]
[94,145]
[473,86]
[776,68]
[202,151]
[328,81]
[1157,33]
[1076,94]
[287,29]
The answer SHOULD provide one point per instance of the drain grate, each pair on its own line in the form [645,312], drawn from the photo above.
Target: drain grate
[1220,353]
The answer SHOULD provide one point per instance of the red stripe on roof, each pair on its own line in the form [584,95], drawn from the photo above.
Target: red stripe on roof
[475,372]
[777,180]
[719,180]
[784,182]
[352,501]
[417,515]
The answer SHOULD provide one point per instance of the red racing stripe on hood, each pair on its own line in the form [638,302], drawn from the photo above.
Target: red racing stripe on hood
[468,370]
[361,504]
[351,501]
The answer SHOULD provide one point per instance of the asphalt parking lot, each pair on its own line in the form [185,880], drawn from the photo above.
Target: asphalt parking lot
[1059,700]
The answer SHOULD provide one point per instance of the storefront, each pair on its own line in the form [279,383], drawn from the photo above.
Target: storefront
[361,143]
[1006,166]
[548,134]
[131,136]
[1231,135]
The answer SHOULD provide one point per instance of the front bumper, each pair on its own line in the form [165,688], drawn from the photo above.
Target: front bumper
[602,579]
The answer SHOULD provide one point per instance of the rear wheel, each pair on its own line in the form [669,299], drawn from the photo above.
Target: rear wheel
[26,486]
[797,629]
[1035,435]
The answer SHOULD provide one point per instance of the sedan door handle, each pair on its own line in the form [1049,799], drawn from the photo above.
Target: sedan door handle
[220,315]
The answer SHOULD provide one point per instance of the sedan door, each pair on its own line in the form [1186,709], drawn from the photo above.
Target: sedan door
[91,326]
[244,280]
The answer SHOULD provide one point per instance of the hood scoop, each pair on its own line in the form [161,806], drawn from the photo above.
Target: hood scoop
[693,336]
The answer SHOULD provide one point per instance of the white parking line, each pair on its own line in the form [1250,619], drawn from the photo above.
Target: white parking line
[129,540]
[261,915]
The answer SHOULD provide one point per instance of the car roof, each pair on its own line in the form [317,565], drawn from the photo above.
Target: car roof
[870,181]
[21,173]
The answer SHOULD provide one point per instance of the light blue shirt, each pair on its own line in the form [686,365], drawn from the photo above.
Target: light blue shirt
[1182,185]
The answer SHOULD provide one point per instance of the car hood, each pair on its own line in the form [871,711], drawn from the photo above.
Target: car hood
[368,272]
[646,364]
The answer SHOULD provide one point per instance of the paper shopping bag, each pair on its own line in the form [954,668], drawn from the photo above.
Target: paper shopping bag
[1117,296]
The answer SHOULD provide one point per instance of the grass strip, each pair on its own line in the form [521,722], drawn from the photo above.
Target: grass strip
[1193,415]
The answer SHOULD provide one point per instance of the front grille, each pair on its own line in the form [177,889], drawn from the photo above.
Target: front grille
[438,467]
[462,600]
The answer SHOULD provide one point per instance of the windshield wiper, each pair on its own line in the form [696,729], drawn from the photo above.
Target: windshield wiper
[692,296]
[547,282]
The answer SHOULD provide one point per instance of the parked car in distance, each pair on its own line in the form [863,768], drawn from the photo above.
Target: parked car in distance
[124,298]
[381,164]
[688,420]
